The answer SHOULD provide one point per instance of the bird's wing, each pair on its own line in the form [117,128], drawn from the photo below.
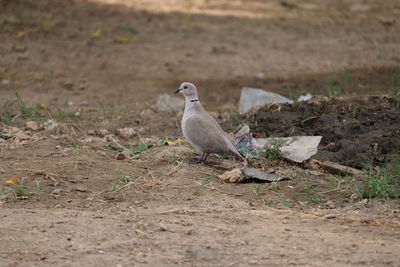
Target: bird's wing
[206,134]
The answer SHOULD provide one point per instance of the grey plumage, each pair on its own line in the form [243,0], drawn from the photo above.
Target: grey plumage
[201,129]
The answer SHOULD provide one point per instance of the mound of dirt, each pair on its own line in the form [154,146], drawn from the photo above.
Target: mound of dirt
[355,130]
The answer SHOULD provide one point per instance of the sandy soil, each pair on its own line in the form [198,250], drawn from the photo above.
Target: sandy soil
[99,65]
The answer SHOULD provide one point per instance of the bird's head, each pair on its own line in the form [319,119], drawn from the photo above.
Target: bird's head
[188,90]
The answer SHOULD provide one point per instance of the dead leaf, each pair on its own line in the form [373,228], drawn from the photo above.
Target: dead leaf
[96,33]
[21,34]
[14,180]
[47,23]
[170,142]
[123,40]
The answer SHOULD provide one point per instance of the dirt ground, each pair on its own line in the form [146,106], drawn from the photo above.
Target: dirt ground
[355,130]
[84,69]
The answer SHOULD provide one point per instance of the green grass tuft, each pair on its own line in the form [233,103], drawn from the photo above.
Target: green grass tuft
[384,182]
[20,191]
[273,152]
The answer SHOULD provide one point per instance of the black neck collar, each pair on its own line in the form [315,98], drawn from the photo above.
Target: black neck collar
[194,100]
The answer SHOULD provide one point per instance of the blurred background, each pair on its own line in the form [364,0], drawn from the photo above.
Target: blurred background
[125,51]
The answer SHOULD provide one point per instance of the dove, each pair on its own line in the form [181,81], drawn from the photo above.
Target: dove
[201,130]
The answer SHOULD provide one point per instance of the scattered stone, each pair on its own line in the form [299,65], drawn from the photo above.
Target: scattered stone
[305,97]
[169,153]
[123,155]
[253,98]
[69,85]
[20,136]
[102,132]
[149,140]
[101,153]
[126,133]
[31,125]
[295,148]
[253,173]
[56,191]
[58,147]
[19,48]
[261,76]
[51,125]
[162,228]
[330,216]
[80,189]
[5,82]
[109,137]
[355,197]
[189,232]
[330,205]
[232,176]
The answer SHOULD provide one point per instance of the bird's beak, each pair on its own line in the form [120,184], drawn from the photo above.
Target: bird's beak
[177,91]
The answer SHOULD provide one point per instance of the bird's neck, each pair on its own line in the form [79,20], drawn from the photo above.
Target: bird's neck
[192,103]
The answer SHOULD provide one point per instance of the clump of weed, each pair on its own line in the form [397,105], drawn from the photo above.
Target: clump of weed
[383,182]
[20,191]
[259,190]
[25,110]
[120,180]
[108,112]
[273,152]
[10,109]
[6,114]
[207,180]
[235,119]
[311,196]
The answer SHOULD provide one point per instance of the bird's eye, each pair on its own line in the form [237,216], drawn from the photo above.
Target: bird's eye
[185,87]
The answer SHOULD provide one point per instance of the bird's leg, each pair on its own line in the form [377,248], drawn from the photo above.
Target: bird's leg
[202,158]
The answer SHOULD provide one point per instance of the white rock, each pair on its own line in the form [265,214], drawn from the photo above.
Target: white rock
[51,125]
[126,133]
[296,148]
[31,125]
[232,176]
[305,97]
[253,97]
[102,132]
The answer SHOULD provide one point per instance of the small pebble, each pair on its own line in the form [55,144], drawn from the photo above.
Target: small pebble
[56,192]
[32,125]
[126,133]
[102,132]
[122,155]
[330,216]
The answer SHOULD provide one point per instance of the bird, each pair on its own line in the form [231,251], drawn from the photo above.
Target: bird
[201,130]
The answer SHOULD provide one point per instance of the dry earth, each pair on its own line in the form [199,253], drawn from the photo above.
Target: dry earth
[98,65]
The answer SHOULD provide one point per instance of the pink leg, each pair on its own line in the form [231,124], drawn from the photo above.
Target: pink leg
[202,158]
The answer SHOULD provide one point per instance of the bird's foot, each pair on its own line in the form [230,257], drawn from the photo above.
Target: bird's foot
[201,158]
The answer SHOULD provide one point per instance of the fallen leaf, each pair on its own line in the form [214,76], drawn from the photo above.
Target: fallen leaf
[43,106]
[21,34]
[123,40]
[127,29]
[14,180]
[171,143]
[47,23]
[96,33]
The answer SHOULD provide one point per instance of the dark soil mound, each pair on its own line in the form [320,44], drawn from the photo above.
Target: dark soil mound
[355,130]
